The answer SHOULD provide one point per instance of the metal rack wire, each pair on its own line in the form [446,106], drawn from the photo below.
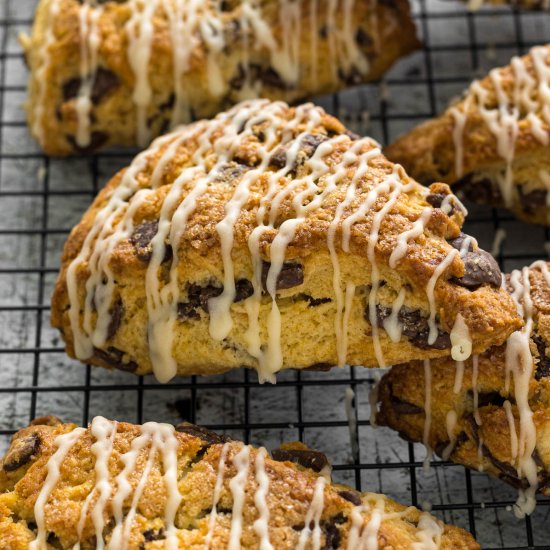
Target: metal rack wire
[41,198]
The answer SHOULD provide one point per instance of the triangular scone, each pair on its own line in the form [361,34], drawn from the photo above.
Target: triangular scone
[270,237]
[492,413]
[494,145]
[122,72]
[152,487]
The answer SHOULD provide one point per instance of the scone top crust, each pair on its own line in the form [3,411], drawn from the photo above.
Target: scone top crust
[504,115]
[264,194]
[500,401]
[153,487]
[122,72]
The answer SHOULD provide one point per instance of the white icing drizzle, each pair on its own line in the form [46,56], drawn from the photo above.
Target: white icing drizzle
[529,101]
[104,433]
[313,514]
[262,523]
[216,497]
[519,362]
[417,229]
[427,412]
[64,443]
[439,270]
[459,376]
[391,324]
[461,340]
[45,62]
[369,536]
[500,237]
[241,461]
[428,534]
[450,423]
[512,426]
[89,42]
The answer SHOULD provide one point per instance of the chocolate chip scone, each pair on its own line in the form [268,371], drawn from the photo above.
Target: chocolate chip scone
[122,486]
[493,146]
[122,72]
[270,237]
[491,412]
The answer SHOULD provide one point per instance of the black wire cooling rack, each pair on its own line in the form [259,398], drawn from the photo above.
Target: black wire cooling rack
[41,198]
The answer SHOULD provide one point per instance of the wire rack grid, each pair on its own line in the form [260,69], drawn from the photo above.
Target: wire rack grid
[41,198]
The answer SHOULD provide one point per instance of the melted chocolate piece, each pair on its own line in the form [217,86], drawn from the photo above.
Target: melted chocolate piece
[414,326]
[141,238]
[483,191]
[314,460]
[363,38]
[21,451]
[113,357]
[209,437]
[314,302]
[117,313]
[308,146]
[543,366]
[459,242]
[291,275]
[533,200]
[352,496]
[243,290]
[332,532]
[480,268]
[151,535]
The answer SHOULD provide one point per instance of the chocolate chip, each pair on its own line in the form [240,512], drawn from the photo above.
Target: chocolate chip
[243,290]
[480,268]
[533,200]
[506,468]
[352,135]
[291,275]
[153,534]
[352,496]
[436,200]
[363,38]
[229,172]
[404,407]
[114,358]
[187,310]
[414,326]
[351,77]
[332,533]
[543,366]
[314,460]
[458,243]
[204,434]
[97,140]
[21,451]
[141,238]
[49,420]
[488,398]
[117,312]
[314,302]
[308,146]
[105,82]
[482,191]
[268,77]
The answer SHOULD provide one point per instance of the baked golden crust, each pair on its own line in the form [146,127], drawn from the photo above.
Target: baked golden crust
[493,145]
[234,50]
[355,197]
[291,490]
[485,443]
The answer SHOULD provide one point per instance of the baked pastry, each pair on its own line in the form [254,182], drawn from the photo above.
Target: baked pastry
[270,237]
[122,72]
[493,146]
[152,486]
[490,413]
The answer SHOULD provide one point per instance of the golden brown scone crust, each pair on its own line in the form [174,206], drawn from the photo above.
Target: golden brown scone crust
[429,154]
[291,489]
[486,446]
[308,307]
[382,32]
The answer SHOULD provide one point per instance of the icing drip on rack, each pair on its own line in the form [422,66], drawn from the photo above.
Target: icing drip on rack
[217,141]
[503,111]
